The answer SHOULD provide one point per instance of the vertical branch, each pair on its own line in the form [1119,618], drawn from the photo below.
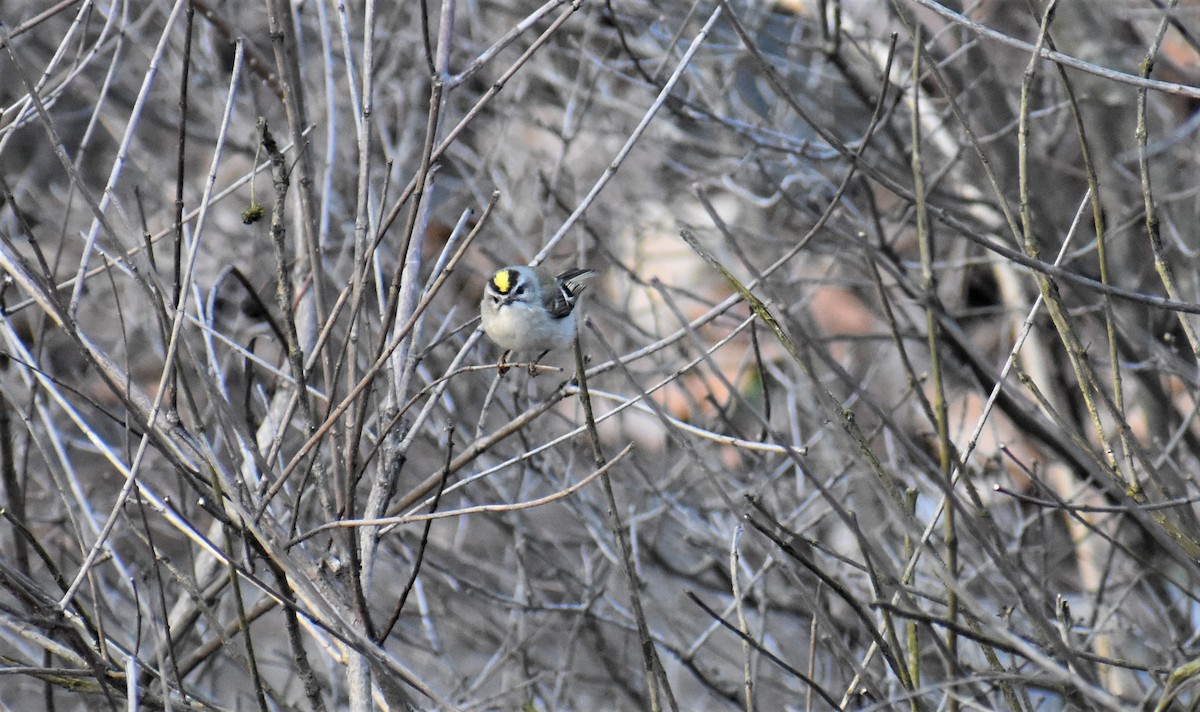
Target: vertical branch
[1031,244]
[180,165]
[944,448]
[735,578]
[307,251]
[363,110]
[285,300]
[655,674]
[1153,234]
[401,300]
[312,683]
[354,419]
[14,493]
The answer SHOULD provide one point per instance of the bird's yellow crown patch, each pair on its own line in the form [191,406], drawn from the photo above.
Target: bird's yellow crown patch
[502,281]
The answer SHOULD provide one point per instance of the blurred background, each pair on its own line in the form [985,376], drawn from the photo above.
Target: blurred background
[944,458]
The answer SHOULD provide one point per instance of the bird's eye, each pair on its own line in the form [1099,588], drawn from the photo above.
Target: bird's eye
[495,298]
[519,290]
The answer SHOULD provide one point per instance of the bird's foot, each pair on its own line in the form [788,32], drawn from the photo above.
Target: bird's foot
[533,365]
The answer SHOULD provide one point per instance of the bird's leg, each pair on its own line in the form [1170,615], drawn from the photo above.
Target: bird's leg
[502,364]
[533,365]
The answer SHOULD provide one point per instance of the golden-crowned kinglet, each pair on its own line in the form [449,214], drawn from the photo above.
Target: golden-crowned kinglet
[530,309]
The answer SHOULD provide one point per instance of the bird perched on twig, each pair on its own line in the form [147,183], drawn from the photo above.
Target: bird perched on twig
[531,309]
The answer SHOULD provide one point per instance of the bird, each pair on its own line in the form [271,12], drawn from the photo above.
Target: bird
[531,309]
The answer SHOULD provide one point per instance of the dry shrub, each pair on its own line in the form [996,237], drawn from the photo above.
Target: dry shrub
[943,458]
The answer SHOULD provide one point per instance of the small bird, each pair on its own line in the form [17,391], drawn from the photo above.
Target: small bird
[530,309]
